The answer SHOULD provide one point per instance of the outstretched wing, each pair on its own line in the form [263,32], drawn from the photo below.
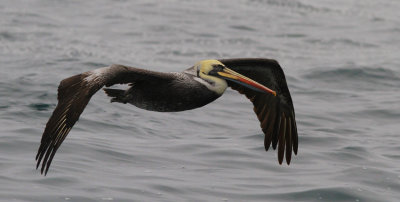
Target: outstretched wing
[74,94]
[276,114]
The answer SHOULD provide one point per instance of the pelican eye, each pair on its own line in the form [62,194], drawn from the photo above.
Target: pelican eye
[216,68]
[197,70]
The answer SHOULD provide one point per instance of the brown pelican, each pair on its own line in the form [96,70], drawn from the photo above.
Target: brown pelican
[179,91]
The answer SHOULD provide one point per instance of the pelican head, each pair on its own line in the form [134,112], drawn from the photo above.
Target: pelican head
[213,74]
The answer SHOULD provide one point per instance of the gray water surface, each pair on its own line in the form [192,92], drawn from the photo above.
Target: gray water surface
[341,60]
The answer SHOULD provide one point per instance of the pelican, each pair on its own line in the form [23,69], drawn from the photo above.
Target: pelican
[195,87]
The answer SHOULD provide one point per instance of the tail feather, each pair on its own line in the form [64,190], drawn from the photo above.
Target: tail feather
[116,94]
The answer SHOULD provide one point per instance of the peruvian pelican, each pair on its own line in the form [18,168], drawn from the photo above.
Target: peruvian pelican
[171,92]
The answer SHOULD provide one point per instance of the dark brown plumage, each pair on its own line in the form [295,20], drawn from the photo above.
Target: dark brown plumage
[272,112]
[177,92]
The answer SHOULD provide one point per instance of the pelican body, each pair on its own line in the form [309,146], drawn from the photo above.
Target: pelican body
[195,87]
[180,92]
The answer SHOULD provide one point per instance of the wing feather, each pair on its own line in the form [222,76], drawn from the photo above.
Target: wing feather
[281,141]
[276,114]
[74,94]
[288,137]
[268,128]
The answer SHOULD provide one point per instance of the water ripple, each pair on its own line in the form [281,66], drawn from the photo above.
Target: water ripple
[340,60]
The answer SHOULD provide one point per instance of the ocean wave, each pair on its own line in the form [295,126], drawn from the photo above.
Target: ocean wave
[357,77]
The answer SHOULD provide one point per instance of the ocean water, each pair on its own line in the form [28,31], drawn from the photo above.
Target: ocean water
[342,64]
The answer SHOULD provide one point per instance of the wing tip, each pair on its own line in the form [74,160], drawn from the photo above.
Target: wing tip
[276,114]
[73,95]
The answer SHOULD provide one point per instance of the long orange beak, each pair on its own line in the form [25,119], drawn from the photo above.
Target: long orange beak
[245,81]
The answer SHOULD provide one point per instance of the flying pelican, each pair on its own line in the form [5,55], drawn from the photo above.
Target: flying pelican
[178,91]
